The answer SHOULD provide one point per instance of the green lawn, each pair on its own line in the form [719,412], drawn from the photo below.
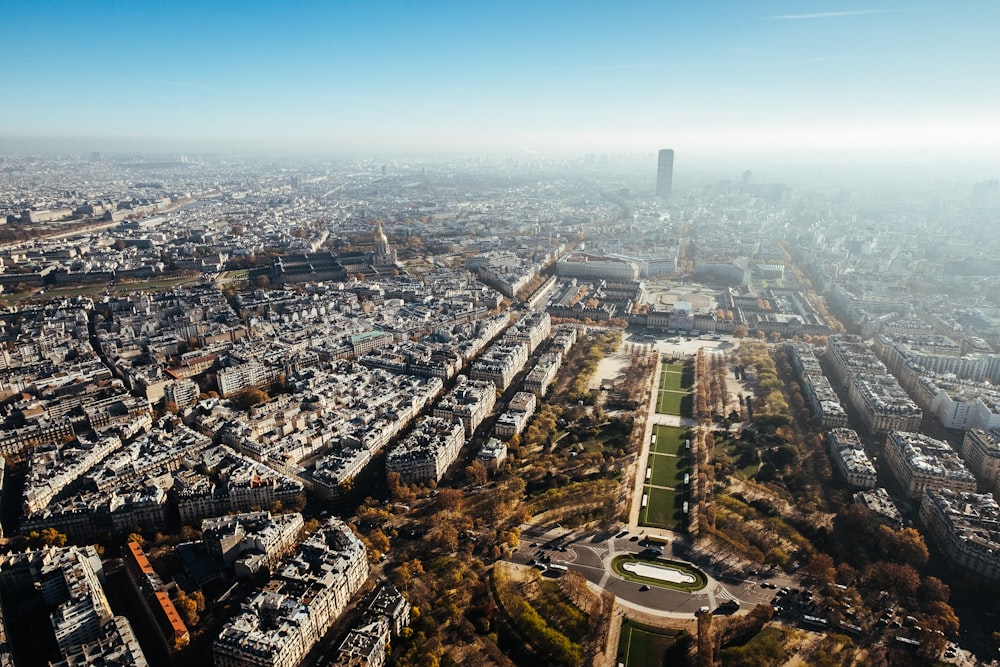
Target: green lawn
[726,450]
[670,440]
[643,646]
[152,284]
[681,376]
[671,402]
[667,470]
[675,367]
[671,380]
[663,510]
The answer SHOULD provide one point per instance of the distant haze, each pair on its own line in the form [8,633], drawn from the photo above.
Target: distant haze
[727,83]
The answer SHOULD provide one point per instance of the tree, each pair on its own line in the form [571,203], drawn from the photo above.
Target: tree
[476,473]
[905,546]
[401,493]
[448,499]
[933,589]
[902,580]
[741,331]
[821,567]
[407,571]
[943,617]
[187,607]
[444,537]
[378,541]
[296,503]
[47,537]
[248,398]
[777,556]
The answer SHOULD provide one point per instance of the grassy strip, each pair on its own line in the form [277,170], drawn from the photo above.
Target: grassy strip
[672,381]
[766,648]
[575,495]
[559,611]
[667,470]
[663,509]
[553,646]
[670,440]
[671,403]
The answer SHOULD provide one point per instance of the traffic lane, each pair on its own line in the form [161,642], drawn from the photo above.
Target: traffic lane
[656,597]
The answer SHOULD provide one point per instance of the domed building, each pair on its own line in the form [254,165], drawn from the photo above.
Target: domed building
[383,256]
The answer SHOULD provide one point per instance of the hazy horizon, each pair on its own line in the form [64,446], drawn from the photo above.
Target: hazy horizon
[771,83]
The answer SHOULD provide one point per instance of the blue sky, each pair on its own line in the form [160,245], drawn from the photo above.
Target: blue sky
[556,78]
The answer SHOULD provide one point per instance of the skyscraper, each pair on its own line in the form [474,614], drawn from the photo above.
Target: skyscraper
[665,173]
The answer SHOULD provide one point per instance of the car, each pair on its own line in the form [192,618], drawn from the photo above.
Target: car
[634,538]
[703,609]
[644,587]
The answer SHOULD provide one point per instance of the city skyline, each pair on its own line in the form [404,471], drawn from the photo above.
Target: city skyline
[827,82]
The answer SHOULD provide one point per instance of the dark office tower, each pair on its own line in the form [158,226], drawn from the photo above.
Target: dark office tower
[665,173]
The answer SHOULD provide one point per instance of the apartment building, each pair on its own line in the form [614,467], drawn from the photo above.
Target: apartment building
[848,454]
[981,451]
[963,526]
[882,405]
[279,625]
[428,450]
[919,462]
[469,402]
